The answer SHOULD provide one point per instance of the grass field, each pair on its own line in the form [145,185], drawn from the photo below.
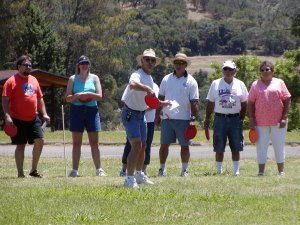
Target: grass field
[119,137]
[201,198]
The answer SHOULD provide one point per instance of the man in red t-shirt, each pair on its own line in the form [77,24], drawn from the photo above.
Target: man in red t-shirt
[22,98]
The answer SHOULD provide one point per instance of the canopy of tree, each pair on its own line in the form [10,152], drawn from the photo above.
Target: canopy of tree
[113,32]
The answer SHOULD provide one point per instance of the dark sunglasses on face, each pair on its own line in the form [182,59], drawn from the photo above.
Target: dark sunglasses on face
[228,69]
[179,63]
[26,65]
[265,70]
[84,63]
[152,60]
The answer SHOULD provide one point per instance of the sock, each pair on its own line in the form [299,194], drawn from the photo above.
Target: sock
[162,166]
[184,166]
[236,166]
[98,170]
[219,167]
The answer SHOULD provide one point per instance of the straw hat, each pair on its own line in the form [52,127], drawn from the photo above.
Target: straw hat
[150,53]
[181,57]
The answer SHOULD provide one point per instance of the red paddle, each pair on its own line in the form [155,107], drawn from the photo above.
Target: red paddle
[253,135]
[10,130]
[190,132]
[152,102]
[207,135]
[87,99]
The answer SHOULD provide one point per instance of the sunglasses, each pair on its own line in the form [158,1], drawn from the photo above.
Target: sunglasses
[265,70]
[152,60]
[84,63]
[179,63]
[228,69]
[26,65]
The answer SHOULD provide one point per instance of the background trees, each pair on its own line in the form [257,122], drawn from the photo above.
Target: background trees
[113,32]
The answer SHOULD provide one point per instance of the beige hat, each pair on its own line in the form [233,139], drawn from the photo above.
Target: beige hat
[150,53]
[181,57]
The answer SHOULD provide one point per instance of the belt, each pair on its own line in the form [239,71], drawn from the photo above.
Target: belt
[227,115]
[135,111]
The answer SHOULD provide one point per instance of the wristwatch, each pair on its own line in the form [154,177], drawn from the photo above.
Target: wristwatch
[193,118]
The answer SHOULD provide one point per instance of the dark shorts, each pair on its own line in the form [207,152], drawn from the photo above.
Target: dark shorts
[231,128]
[28,131]
[84,117]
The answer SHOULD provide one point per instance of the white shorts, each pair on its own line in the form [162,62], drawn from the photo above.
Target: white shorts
[277,137]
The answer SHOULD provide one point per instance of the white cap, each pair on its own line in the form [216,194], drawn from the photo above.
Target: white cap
[229,64]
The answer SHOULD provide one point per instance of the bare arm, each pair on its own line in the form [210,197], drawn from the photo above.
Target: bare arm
[5,107]
[286,107]
[209,110]
[243,110]
[42,110]
[98,94]
[141,87]
[194,110]
[251,114]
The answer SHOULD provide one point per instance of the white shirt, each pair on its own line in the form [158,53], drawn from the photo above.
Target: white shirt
[150,113]
[135,99]
[227,97]
[183,90]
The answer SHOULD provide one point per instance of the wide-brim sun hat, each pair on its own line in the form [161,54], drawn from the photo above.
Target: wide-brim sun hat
[181,57]
[150,53]
[229,64]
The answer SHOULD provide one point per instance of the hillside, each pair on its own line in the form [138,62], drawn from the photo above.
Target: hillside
[204,62]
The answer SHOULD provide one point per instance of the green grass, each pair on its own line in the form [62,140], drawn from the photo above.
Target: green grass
[120,137]
[201,198]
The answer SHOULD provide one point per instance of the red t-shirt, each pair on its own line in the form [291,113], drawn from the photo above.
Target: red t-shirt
[23,94]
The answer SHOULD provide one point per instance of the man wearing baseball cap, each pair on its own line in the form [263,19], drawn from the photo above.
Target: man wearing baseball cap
[227,98]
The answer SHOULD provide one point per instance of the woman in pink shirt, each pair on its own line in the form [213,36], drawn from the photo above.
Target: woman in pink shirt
[268,104]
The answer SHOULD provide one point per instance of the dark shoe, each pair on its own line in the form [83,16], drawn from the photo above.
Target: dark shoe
[21,176]
[35,174]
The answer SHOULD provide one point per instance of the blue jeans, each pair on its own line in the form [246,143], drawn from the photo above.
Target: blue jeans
[231,128]
[127,148]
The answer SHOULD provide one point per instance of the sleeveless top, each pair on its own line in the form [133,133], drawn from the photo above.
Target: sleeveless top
[86,86]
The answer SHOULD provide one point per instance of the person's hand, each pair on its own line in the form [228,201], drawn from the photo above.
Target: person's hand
[206,123]
[46,118]
[251,123]
[165,103]
[8,119]
[282,123]
[150,92]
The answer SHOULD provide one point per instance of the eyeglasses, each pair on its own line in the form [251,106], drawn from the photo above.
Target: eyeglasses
[152,60]
[26,65]
[180,63]
[265,70]
[228,69]
[84,63]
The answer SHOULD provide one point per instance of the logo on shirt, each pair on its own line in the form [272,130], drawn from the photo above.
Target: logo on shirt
[226,98]
[28,89]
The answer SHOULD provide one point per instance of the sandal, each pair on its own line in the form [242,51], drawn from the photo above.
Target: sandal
[35,173]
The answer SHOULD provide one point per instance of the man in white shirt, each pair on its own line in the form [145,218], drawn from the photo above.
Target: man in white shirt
[133,116]
[227,97]
[181,87]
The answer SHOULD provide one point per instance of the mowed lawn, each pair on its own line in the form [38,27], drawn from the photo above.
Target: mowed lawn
[201,198]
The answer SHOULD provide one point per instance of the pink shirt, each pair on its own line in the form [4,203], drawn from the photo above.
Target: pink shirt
[268,101]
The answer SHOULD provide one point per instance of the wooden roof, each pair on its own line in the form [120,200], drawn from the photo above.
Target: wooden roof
[46,79]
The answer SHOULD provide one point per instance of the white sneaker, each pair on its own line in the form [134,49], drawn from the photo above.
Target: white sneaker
[162,172]
[281,173]
[122,173]
[131,182]
[184,173]
[260,174]
[73,173]
[237,173]
[100,173]
[141,178]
